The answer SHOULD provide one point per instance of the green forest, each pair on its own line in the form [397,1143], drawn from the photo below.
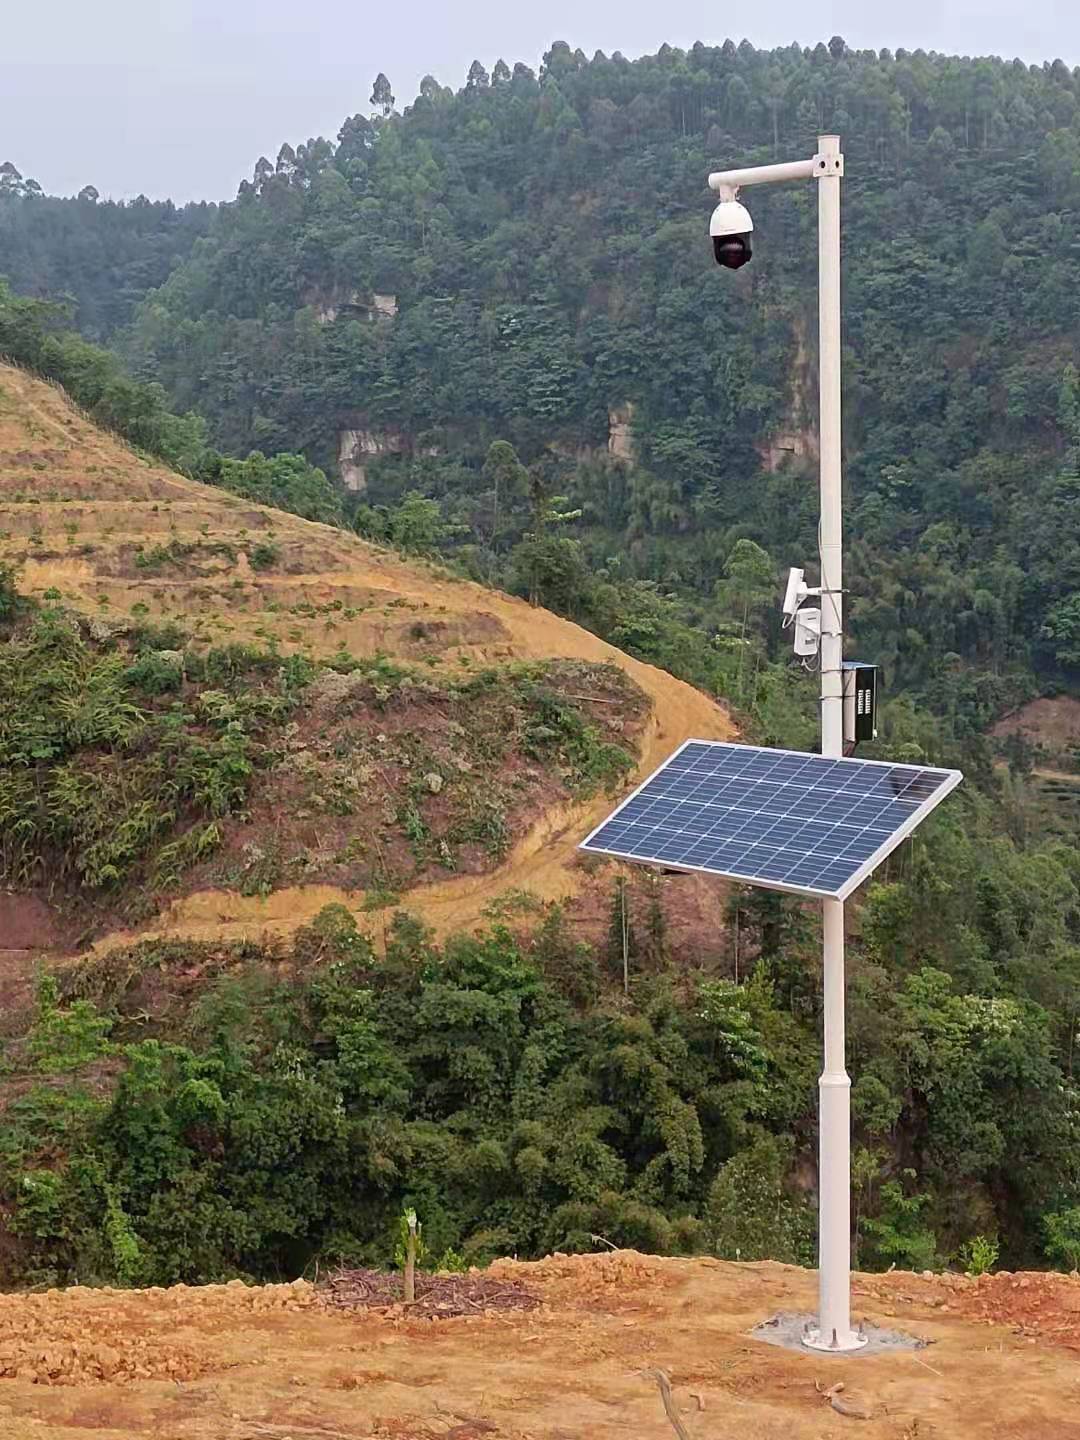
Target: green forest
[507,291]
[543,240]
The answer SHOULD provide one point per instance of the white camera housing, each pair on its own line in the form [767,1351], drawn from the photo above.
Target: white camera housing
[731,217]
[808,631]
[730,229]
[796,591]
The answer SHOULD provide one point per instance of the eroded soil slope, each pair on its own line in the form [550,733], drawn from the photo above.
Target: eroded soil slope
[227,1363]
[97,528]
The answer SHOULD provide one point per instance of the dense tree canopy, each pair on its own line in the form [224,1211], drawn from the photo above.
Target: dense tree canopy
[103,254]
[542,237]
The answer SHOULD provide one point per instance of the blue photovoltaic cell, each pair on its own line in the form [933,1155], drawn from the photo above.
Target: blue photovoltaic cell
[775,818]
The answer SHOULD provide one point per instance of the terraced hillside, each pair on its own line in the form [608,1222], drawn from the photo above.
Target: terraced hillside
[325,720]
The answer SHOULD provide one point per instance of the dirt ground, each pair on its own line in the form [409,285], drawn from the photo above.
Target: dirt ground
[229,1363]
[1051,722]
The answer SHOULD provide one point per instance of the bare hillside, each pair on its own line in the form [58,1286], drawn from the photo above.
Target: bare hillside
[130,545]
[561,1349]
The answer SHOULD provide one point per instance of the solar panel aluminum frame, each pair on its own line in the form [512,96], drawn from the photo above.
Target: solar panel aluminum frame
[865,870]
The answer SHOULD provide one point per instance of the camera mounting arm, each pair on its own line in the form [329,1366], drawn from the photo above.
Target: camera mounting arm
[814,168]
[731,227]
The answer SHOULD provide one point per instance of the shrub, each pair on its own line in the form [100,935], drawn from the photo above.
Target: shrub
[10,600]
[65,1039]
[750,1213]
[1062,1231]
[156,673]
[978,1255]
[264,555]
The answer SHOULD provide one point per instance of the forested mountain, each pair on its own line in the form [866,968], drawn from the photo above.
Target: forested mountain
[524,260]
[102,255]
[542,241]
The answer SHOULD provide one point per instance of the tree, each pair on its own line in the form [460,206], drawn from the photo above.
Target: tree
[749,582]
[1060,631]
[554,565]
[655,943]
[568,964]
[11,182]
[622,946]
[478,77]
[898,1233]
[284,480]
[286,161]
[775,85]
[1063,1238]
[417,525]
[382,97]
[89,194]
[508,479]
[552,571]
[10,602]
[751,1214]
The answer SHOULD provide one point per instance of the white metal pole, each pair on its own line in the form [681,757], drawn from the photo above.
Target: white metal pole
[834,1167]
[832,606]
[833,1331]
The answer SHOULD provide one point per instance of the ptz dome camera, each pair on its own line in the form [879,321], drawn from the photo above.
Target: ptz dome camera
[731,228]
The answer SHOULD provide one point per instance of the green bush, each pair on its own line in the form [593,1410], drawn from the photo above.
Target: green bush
[1062,1229]
[11,602]
[978,1255]
[265,555]
[62,1039]
[155,674]
[899,1234]
[751,1212]
[91,783]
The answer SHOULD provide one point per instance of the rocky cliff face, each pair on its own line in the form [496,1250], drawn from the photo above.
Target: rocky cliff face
[357,448]
[620,431]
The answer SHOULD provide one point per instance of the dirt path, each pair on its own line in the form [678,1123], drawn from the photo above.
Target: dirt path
[226,1363]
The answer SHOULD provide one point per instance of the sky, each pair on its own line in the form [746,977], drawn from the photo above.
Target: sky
[180,97]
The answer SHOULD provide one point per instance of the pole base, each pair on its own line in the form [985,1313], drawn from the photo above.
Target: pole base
[834,1343]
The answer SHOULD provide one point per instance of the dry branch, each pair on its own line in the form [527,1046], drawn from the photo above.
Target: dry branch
[669,1403]
[850,1408]
[437,1296]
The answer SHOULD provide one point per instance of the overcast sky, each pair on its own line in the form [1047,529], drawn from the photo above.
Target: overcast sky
[181,97]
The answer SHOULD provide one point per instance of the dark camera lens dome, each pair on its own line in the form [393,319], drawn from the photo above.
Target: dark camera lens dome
[732,251]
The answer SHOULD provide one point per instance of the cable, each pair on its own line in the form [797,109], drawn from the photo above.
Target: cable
[827,588]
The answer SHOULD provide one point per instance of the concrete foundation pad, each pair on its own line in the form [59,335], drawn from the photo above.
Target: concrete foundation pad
[788,1329]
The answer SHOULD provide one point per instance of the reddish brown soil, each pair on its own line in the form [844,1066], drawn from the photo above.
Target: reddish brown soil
[1034,1306]
[330,811]
[226,1363]
[693,907]
[27,923]
[1052,723]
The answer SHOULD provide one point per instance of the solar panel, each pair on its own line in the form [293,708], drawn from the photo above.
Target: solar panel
[780,819]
